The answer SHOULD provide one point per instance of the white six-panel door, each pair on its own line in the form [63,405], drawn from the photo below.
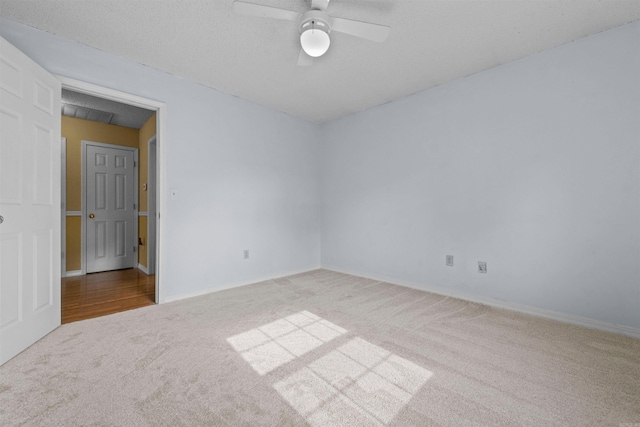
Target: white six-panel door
[30,255]
[110,214]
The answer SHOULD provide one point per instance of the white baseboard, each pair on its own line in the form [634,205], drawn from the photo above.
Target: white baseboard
[201,292]
[540,312]
[73,273]
[143,269]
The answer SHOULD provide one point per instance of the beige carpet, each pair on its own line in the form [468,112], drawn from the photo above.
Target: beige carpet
[323,349]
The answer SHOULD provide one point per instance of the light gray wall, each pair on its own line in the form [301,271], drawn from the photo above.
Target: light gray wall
[533,167]
[247,176]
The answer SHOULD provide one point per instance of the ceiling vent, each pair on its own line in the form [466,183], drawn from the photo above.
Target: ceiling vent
[79,112]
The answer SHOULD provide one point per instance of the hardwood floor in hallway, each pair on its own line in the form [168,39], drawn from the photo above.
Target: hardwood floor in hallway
[99,294]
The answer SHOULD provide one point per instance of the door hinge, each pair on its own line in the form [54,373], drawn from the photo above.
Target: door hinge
[135,163]
[134,249]
[134,206]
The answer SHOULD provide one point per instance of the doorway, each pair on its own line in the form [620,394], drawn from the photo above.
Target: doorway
[140,283]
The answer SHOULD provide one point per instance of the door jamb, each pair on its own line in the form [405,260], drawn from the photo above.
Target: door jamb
[63,205]
[152,216]
[161,112]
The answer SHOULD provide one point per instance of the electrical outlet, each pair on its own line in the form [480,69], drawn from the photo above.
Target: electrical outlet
[246,254]
[482,267]
[449,260]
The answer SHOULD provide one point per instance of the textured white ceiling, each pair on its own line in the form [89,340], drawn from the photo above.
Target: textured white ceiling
[117,113]
[431,42]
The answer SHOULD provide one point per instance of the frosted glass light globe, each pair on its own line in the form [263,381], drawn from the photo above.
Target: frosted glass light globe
[315,42]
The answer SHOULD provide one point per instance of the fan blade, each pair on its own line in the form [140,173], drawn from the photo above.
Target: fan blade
[252,9]
[304,60]
[365,30]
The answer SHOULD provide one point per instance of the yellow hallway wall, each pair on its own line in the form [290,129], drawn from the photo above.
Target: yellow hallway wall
[74,243]
[77,130]
[147,131]
[142,237]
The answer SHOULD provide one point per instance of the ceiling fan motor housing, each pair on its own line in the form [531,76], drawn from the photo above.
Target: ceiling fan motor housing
[315,19]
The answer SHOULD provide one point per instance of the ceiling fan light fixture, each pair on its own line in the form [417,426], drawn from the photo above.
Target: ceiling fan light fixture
[315,41]
[315,26]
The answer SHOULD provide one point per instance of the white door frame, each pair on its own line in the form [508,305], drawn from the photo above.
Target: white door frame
[152,215]
[83,195]
[161,110]
[63,206]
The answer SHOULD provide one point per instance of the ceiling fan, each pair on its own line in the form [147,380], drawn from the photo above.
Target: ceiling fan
[315,25]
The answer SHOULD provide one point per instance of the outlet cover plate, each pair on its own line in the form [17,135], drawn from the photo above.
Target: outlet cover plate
[449,260]
[482,267]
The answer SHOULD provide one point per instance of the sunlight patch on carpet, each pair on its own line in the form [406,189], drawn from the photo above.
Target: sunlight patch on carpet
[272,345]
[358,383]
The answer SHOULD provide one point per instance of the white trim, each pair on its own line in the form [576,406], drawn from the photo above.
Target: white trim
[540,312]
[143,269]
[143,214]
[161,130]
[160,263]
[236,285]
[73,213]
[74,273]
[63,206]
[83,196]
[111,94]
[152,197]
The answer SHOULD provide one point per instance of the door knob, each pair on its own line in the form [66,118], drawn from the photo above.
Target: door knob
[92,216]
[1,219]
